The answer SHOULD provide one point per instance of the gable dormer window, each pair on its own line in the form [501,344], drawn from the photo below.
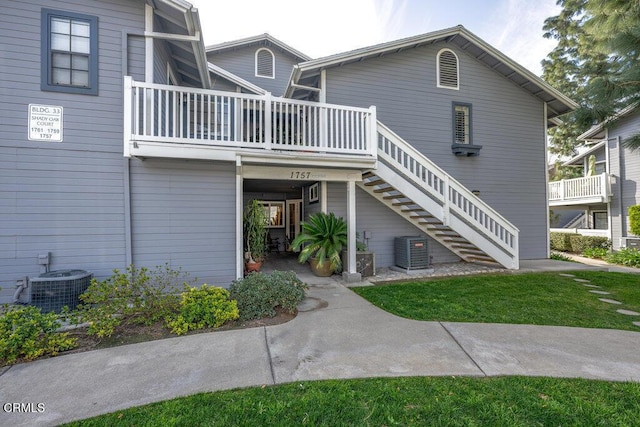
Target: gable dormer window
[448,73]
[265,63]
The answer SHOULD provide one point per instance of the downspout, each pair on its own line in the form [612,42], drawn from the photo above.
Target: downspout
[623,222]
[546,177]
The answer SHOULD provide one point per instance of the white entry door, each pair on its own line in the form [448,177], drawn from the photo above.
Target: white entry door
[293,219]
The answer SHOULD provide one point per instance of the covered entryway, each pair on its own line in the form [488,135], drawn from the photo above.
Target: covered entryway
[290,195]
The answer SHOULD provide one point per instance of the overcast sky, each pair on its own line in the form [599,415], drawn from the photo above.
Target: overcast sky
[321,28]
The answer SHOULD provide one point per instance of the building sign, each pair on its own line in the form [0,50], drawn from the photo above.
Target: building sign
[45,123]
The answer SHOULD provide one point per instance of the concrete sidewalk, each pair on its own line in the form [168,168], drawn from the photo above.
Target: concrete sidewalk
[337,334]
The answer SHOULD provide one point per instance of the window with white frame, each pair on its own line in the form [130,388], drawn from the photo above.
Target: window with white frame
[69,49]
[447,69]
[265,63]
[462,124]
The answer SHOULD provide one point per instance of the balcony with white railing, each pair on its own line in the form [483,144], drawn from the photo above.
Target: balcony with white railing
[580,191]
[182,122]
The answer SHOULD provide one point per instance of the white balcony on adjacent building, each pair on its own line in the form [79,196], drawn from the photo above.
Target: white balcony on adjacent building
[182,122]
[580,191]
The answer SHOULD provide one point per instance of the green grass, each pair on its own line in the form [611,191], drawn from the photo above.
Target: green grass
[531,298]
[441,401]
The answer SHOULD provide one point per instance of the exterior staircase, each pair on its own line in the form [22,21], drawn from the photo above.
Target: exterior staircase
[425,195]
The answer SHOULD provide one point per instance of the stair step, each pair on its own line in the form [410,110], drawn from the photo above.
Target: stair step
[394,196]
[475,251]
[416,209]
[374,182]
[405,203]
[368,174]
[383,189]
[487,260]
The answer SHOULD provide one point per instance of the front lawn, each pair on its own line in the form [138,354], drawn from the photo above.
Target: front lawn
[530,298]
[409,401]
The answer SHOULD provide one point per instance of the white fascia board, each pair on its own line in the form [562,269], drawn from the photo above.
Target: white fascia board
[335,60]
[583,155]
[600,127]
[235,79]
[255,39]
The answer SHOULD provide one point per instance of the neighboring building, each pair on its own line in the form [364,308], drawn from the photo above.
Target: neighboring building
[125,141]
[610,183]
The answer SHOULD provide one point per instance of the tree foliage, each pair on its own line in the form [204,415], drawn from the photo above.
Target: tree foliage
[596,62]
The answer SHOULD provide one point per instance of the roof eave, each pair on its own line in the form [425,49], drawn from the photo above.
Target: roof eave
[359,54]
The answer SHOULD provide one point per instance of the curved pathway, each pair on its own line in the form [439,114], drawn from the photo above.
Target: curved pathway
[337,334]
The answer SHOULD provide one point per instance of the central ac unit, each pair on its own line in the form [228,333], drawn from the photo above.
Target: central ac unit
[412,252]
[630,242]
[53,290]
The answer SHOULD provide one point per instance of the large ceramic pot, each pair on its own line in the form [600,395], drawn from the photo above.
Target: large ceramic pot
[325,270]
[251,267]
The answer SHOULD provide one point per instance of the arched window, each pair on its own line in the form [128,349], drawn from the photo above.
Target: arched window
[448,73]
[265,63]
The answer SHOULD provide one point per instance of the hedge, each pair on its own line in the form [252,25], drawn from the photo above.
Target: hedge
[576,243]
[634,220]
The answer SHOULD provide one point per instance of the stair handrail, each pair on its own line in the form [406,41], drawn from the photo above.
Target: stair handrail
[445,188]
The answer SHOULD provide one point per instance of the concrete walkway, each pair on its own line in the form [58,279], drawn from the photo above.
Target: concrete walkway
[337,334]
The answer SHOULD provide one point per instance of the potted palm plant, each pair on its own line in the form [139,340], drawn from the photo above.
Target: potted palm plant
[255,222]
[324,236]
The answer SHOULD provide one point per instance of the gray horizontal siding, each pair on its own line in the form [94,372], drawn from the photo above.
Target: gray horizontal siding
[62,206]
[241,62]
[626,191]
[66,198]
[183,214]
[383,224]
[507,122]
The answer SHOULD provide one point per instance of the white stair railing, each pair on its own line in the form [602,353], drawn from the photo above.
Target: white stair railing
[460,209]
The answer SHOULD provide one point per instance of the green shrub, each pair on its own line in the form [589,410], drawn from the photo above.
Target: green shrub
[576,243]
[597,253]
[581,243]
[134,296]
[204,307]
[560,241]
[259,294]
[560,257]
[27,333]
[628,256]
[634,219]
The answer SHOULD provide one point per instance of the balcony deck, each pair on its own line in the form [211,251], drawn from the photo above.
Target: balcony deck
[181,122]
[587,190]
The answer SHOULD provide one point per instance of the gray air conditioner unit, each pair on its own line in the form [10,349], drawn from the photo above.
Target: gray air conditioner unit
[53,290]
[630,242]
[412,252]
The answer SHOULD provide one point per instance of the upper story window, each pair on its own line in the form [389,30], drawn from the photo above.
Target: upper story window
[463,131]
[448,72]
[69,49]
[265,63]
[461,124]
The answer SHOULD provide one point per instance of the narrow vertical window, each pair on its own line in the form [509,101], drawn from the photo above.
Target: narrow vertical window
[462,124]
[265,63]
[448,72]
[69,52]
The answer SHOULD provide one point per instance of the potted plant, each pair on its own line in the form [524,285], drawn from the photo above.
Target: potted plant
[324,235]
[255,222]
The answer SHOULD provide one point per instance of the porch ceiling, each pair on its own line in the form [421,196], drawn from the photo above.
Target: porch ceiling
[274,186]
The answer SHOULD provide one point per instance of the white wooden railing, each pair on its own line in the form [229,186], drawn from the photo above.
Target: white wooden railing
[182,115]
[459,208]
[580,189]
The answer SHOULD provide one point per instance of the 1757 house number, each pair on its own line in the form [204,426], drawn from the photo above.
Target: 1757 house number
[300,175]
